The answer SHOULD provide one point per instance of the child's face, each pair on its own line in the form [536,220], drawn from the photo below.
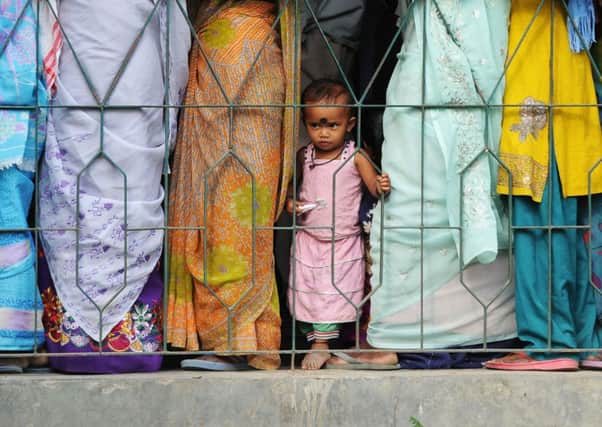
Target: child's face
[327,126]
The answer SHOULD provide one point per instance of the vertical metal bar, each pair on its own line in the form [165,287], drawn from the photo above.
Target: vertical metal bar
[230,151]
[358,307]
[296,62]
[39,76]
[550,177]
[487,159]
[422,163]
[168,136]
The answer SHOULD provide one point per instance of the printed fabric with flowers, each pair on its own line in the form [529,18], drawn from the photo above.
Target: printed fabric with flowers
[138,331]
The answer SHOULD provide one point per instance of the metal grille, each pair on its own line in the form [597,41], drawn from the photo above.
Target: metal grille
[362,106]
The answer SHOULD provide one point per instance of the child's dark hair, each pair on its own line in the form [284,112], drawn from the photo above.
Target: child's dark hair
[327,90]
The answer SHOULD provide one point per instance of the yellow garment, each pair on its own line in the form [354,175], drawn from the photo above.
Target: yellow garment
[577,138]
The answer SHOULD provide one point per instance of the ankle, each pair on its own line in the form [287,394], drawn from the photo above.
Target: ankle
[320,345]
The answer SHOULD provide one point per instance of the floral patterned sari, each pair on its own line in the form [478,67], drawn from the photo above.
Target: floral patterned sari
[222,282]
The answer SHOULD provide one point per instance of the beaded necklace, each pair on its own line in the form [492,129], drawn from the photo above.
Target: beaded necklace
[313,164]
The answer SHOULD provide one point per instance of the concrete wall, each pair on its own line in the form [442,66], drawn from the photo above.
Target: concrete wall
[286,398]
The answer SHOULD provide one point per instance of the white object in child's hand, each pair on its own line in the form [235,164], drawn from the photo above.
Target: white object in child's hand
[310,206]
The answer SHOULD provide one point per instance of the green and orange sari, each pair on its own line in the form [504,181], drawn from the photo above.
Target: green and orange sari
[233,159]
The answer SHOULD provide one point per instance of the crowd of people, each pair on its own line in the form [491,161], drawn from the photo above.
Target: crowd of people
[318,186]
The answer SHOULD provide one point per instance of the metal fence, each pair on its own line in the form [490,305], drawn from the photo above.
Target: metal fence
[362,106]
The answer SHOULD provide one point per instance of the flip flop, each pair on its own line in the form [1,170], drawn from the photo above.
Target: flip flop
[37,370]
[522,362]
[10,369]
[591,364]
[356,364]
[236,364]
[13,366]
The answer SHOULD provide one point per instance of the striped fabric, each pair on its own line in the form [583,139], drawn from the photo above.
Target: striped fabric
[51,58]
[322,336]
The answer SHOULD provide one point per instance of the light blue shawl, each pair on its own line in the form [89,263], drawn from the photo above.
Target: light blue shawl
[22,135]
[19,82]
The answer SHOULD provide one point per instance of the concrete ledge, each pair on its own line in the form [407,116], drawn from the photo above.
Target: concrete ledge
[296,398]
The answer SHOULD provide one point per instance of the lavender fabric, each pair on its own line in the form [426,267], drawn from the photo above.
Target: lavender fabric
[84,189]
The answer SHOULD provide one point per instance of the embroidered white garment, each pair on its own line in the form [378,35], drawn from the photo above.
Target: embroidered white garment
[448,218]
[99,165]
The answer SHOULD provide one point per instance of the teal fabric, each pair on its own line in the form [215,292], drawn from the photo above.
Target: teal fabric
[595,237]
[592,240]
[464,64]
[307,328]
[19,296]
[573,307]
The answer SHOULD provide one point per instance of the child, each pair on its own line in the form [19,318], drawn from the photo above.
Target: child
[320,296]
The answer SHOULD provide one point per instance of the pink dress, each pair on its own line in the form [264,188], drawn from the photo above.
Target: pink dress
[313,297]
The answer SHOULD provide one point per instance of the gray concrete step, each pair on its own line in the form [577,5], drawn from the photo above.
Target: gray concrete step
[297,398]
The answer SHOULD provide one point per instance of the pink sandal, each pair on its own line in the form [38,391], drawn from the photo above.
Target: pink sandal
[522,362]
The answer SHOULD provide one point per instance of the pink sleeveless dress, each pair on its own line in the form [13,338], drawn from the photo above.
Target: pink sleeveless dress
[312,295]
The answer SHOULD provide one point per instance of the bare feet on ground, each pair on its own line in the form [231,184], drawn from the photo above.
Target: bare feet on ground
[313,361]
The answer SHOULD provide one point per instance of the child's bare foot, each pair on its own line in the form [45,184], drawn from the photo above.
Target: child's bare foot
[313,361]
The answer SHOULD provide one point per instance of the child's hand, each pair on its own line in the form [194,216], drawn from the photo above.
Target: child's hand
[383,184]
[297,207]
[290,205]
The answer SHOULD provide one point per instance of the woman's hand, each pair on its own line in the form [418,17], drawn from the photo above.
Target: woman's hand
[383,184]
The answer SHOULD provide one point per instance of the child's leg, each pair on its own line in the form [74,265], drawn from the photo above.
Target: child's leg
[318,334]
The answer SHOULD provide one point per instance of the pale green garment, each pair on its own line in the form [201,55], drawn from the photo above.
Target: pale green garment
[465,55]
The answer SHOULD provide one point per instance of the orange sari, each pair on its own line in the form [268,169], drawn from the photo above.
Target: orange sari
[220,289]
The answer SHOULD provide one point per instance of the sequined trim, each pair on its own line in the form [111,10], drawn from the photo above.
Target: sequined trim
[533,118]
[528,175]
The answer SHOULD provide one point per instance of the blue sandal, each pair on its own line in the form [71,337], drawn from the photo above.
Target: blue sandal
[232,363]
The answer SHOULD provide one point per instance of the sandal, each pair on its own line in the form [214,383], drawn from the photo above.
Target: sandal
[522,362]
[232,363]
[13,365]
